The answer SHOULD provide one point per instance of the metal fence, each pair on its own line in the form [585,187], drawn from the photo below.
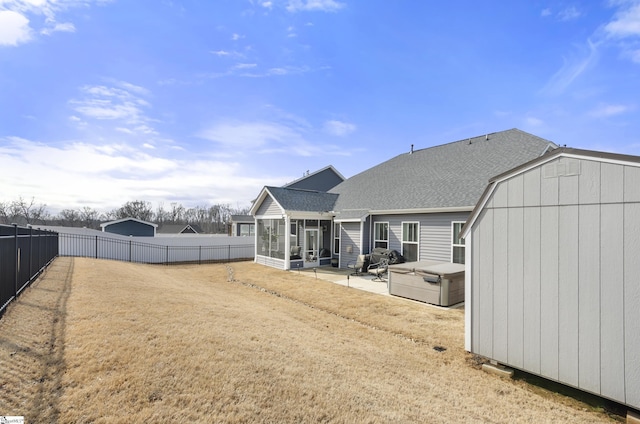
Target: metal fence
[24,253]
[101,247]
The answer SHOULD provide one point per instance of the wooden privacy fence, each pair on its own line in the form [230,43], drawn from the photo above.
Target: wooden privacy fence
[101,247]
[24,253]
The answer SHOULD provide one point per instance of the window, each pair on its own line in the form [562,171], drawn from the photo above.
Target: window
[272,237]
[336,239]
[457,244]
[381,235]
[247,230]
[410,232]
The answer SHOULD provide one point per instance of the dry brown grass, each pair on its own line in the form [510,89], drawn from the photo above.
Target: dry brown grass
[100,341]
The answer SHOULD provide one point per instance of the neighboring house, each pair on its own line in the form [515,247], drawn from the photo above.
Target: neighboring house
[415,203]
[553,271]
[179,229]
[322,180]
[130,227]
[243,225]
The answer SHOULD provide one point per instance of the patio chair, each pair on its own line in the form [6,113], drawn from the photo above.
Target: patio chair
[379,270]
[358,265]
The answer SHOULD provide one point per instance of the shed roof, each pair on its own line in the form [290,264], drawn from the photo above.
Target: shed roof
[448,176]
[117,221]
[548,157]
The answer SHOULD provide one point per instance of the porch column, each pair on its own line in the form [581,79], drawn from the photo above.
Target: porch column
[287,242]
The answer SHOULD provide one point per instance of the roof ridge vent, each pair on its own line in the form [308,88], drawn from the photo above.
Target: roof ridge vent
[486,137]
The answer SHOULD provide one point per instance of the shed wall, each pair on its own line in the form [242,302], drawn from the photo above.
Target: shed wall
[555,276]
[131,228]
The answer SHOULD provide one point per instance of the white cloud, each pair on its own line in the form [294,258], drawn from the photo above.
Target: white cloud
[314,5]
[571,69]
[14,28]
[533,122]
[250,135]
[64,27]
[626,22]
[76,174]
[545,12]
[605,111]
[244,66]
[569,14]
[339,128]
[122,104]
[236,37]
[267,4]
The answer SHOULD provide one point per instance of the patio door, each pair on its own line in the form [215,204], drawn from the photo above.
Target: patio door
[311,247]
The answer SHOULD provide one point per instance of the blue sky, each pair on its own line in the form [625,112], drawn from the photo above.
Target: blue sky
[204,102]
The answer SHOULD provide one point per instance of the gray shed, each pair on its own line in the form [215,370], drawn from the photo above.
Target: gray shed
[130,227]
[552,283]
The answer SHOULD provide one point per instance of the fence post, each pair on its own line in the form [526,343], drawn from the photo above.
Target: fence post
[30,252]
[96,247]
[166,262]
[199,255]
[129,250]
[17,258]
[229,253]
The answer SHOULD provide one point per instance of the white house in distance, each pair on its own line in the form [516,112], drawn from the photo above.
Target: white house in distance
[553,271]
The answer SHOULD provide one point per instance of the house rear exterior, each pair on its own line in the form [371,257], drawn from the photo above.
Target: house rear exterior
[415,203]
[553,272]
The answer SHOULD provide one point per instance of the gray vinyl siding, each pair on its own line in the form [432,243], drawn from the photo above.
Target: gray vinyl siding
[436,237]
[271,262]
[269,207]
[350,236]
[555,277]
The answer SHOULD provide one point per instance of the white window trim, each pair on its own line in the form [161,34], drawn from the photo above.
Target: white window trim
[337,237]
[375,240]
[456,245]
[417,242]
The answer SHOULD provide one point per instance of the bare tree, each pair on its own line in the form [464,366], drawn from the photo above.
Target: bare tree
[89,217]
[69,217]
[139,209]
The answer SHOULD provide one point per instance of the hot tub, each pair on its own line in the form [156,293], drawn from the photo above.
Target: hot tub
[438,283]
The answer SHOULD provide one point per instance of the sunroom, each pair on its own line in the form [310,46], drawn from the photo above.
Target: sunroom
[293,228]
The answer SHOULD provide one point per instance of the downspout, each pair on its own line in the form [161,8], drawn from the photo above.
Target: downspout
[467,291]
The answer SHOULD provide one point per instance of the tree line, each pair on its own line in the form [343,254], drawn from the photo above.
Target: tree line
[213,219]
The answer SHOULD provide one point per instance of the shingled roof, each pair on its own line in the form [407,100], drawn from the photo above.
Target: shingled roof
[448,176]
[292,199]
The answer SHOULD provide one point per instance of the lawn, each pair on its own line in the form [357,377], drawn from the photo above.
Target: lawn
[103,341]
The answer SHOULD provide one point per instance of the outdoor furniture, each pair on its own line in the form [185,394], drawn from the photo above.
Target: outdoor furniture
[379,270]
[295,252]
[358,265]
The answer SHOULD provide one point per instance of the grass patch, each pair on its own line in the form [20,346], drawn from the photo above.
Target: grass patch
[243,343]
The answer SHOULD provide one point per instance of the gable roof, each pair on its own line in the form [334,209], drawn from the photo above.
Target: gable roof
[291,199]
[178,228]
[321,180]
[548,157]
[447,177]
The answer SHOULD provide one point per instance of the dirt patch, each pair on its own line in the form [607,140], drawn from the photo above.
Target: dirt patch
[244,343]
